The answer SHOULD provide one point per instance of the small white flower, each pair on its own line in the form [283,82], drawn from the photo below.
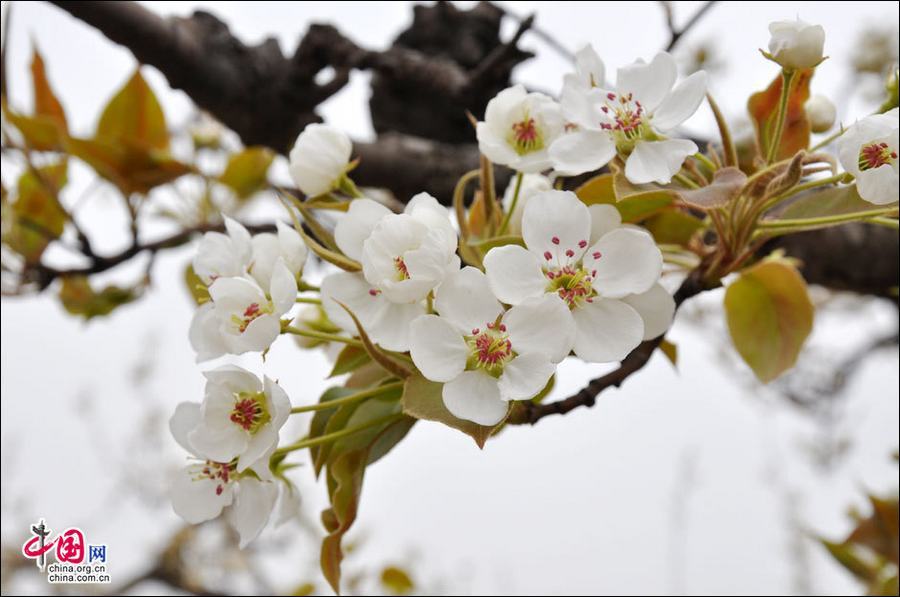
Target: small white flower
[386,322]
[518,129]
[240,416]
[821,113]
[223,255]
[868,150]
[241,317]
[589,72]
[268,247]
[607,274]
[319,159]
[531,184]
[202,490]
[795,44]
[407,255]
[629,121]
[485,360]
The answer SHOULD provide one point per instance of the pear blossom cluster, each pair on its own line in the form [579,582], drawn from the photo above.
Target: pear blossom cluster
[561,277]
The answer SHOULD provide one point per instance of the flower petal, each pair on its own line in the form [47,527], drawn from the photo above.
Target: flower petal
[681,104]
[240,239]
[589,67]
[196,500]
[582,151]
[629,263]
[353,229]
[205,334]
[514,274]
[657,161]
[354,291]
[656,307]
[220,443]
[525,376]
[649,83]
[258,444]
[607,330]
[541,325]
[475,396]
[437,348]
[604,218]
[391,330]
[184,420]
[258,336]
[283,288]
[234,379]
[293,249]
[556,222]
[252,507]
[879,185]
[465,300]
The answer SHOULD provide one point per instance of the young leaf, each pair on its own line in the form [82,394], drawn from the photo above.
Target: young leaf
[45,102]
[600,189]
[79,298]
[349,359]
[769,316]
[195,286]
[639,206]
[832,201]
[672,226]
[246,171]
[396,581]
[37,216]
[134,117]
[763,108]
[422,399]
[726,185]
[320,420]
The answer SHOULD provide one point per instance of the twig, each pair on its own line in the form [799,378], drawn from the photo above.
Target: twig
[677,34]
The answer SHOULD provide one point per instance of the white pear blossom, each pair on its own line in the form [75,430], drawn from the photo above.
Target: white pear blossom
[607,274]
[518,128]
[241,317]
[483,356]
[320,158]
[203,489]
[796,44]
[589,72]
[821,113]
[240,416]
[531,184]
[868,150]
[268,247]
[630,120]
[223,255]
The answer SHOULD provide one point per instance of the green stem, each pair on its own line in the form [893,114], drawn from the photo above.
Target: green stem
[330,437]
[886,222]
[685,181]
[775,141]
[347,399]
[512,207]
[303,286]
[308,301]
[705,161]
[806,223]
[800,188]
[827,140]
[320,336]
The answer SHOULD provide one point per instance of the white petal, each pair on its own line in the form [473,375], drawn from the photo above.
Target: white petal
[437,348]
[235,294]
[581,106]
[204,334]
[879,185]
[465,300]
[266,250]
[590,67]
[252,508]
[604,218]
[258,444]
[426,209]
[607,330]
[556,222]
[216,257]
[283,288]
[240,238]
[184,420]
[354,291]
[629,263]
[258,336]
[541,325]
[681,103]
[288,507]
[656,307]
[649,83]
[525,376]
[280,404]
[234,379]
[475,396]
[354,228]
[582,151]
[657,161]
[219,444]
[293,249]
[407,291]
[196,501]
[514,274]
[391,330]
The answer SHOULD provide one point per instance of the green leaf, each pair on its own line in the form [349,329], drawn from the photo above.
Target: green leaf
[396,581]
[832,201]
[79,298]
[769,316]
[387,363]
[195,286]
[639,206]
[320,421]
[673,226]
[422,399]
[37,216]
[247,170]
[600,189]
[134,117]
[349,359]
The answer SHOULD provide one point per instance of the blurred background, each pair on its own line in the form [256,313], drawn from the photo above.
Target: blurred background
[688,480]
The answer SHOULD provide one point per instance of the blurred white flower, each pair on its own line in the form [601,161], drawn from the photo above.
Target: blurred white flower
[319,159]
[821,113]
[268,247]
[868,150]
[518,128]
[485,360]
[223,255]
[630,121]
[796,44]
[607,274]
